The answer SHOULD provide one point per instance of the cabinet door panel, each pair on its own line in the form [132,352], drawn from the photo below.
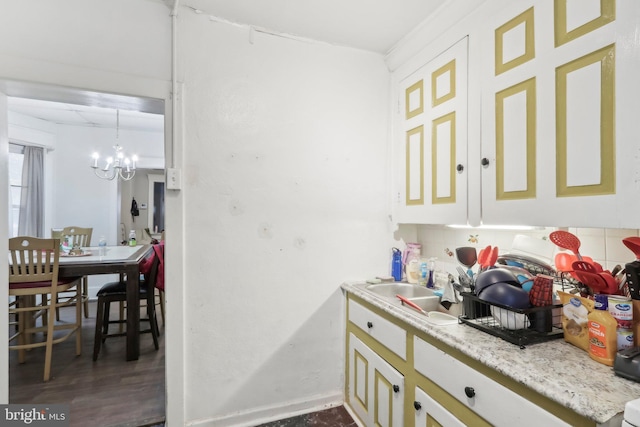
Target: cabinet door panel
[432,414]
[431,140]
[553,103]
[375,389]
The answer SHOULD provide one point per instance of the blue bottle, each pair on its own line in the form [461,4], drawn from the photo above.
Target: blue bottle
[396,265]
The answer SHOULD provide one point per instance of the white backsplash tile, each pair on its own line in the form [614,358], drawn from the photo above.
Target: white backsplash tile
[621,232]
[592,245]
[603,245]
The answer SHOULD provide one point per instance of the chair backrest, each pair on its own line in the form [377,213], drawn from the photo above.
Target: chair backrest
[151,276]
[32,259]
[79,235]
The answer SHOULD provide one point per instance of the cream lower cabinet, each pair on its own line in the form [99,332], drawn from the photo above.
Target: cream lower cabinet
[430,413]
[398,376]
[478,392]
[376,389]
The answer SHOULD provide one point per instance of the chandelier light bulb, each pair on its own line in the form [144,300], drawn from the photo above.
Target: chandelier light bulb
[113,167]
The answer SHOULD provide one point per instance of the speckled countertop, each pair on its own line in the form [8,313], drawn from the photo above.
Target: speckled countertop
[556,369]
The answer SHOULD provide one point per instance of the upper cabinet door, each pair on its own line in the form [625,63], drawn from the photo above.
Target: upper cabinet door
[553,88]
[430,141]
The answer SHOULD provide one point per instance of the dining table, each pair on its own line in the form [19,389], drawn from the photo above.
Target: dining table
[122,260]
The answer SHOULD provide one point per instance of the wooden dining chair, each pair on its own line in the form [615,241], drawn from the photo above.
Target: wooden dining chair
[116,292]
[79,236]
[33,272]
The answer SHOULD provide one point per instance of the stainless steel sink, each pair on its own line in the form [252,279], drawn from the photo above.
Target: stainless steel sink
[423,297]
[407,290]
[419,295]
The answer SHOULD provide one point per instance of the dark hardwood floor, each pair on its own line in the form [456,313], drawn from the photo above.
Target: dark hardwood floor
[106,393]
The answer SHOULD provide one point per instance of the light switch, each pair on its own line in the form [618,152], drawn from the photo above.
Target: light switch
[174,179]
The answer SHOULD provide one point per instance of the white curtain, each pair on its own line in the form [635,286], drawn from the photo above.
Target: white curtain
[31,220]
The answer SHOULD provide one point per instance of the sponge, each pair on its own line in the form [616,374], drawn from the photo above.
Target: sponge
[374,281]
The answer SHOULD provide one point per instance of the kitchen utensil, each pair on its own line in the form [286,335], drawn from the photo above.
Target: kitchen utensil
[633,243]
[484,257]
[541,292]
[586,273]
[612,285]
[411,304]
[464,279]
[489,277]
[493,257]
[468,257]
[564,261]
[506,294]
[632,270]
[566,240]
[481,258]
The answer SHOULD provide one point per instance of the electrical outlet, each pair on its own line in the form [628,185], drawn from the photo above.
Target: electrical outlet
[174,179]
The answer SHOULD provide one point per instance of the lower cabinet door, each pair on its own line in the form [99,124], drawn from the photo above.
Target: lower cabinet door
[430,413]
[376,389]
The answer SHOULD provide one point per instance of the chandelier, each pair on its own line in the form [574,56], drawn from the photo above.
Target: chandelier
[117,165]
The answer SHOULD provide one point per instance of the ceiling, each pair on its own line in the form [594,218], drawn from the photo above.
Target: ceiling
[373,25]
[89,116]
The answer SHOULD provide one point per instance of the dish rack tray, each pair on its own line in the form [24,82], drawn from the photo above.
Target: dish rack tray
[517,326]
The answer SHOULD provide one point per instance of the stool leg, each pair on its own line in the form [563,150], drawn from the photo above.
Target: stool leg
[105,320]
[97,340]
[85,295]
[153,321]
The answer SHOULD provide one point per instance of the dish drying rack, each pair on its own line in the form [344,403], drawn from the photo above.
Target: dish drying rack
[521,327]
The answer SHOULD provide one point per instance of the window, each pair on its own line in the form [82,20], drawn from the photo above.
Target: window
[16,158]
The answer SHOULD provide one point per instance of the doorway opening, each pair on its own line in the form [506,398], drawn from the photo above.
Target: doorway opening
[71,124]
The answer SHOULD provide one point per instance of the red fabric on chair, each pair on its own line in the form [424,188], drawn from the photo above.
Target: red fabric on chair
[159,251]
[145,264]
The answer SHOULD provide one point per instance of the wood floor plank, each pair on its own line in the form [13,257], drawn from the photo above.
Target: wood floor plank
[109,392]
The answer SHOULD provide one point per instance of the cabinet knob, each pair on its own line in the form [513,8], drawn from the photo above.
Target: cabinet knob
[396,388]
[469,391]
[484,161]
[459,168]
[417,405]
[369,325]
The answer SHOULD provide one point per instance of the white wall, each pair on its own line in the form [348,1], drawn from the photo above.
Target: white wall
[285,188]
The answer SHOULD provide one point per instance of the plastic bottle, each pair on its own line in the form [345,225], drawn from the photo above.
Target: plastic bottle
[411,260]
[424,274]
[603,338]
[102,246]
[132,238]
[396,265]
[432,267]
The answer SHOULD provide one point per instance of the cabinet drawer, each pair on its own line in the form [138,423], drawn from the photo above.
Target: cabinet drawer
[388,334]
[490,400]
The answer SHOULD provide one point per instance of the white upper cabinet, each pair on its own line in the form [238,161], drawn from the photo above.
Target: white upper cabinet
[558,106]
[430,143]
[549,115]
